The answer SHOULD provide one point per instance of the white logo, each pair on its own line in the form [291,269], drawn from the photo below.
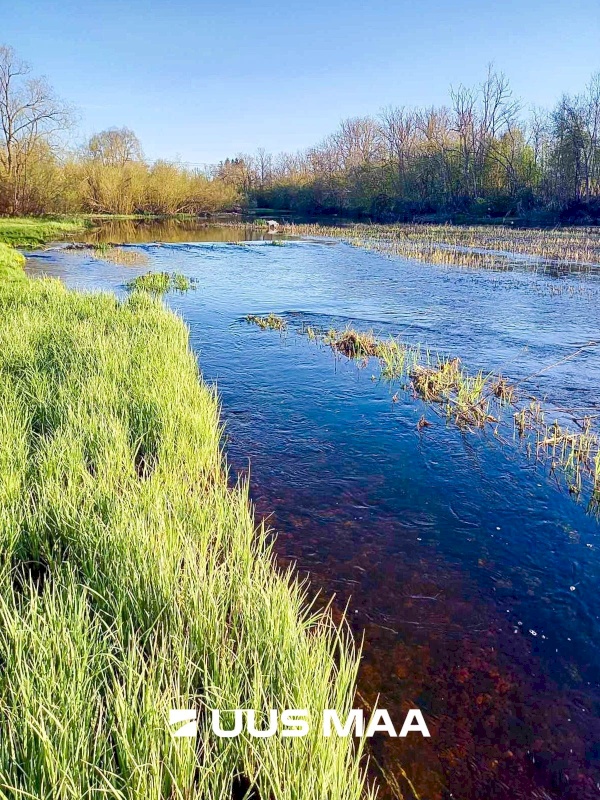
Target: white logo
[187,715]
[295,722]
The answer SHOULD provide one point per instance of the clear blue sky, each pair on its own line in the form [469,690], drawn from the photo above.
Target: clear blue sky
[205,80]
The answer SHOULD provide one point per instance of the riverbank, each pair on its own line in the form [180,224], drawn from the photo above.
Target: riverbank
[35,231]
[29,232]
[132,579]
[11,263]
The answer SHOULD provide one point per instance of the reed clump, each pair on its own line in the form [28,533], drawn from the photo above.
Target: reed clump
[575,451]
[161,282]
[466,397]
[133,579]
[474,400]
[395,357]
[271,322]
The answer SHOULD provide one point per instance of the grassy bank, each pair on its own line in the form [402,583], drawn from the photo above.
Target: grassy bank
[11,263]
[35,231]
[132,579]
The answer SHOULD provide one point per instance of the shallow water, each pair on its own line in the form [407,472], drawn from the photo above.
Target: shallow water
[470,569]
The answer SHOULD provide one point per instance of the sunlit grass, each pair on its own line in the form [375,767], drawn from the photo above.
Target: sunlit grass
[11,263]
[132,577]
[35,231]
[161,282]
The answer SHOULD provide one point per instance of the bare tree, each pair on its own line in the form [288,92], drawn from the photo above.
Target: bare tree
[356,142]
[30,117]
[590,116]
[483,116]
[264,167]
[115,147]
[437,151]
[398,130]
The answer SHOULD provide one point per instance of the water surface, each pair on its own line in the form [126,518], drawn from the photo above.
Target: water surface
[470,569]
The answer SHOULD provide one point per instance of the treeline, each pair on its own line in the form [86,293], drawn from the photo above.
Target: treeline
[107,174]
[480,155]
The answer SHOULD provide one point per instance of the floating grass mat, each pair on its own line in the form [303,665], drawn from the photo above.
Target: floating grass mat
[478,401]
[271,322]
[161,282]
[133,579]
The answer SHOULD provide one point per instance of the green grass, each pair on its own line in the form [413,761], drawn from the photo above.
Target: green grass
[161,282]
[132,578]
[11,263]
[35,231]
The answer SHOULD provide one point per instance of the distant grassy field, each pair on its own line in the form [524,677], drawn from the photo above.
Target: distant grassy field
[35,231]
[132,579]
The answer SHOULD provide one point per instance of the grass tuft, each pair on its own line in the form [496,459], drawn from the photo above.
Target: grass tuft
[161,282]
[272,322]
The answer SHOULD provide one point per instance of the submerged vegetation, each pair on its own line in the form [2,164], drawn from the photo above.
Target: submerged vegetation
[132,578]
[125,256]
[161,282]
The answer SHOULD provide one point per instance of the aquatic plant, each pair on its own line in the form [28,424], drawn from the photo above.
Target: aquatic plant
[473,400]
[124,256]
[133,579]
[161,282]
[272,322]
[352,343]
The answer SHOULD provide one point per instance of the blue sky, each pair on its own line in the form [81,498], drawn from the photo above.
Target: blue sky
[201,81]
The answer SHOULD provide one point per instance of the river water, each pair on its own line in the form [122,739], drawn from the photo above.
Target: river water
[468,567]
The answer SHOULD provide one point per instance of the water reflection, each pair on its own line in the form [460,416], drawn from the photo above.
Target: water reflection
[139,231]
